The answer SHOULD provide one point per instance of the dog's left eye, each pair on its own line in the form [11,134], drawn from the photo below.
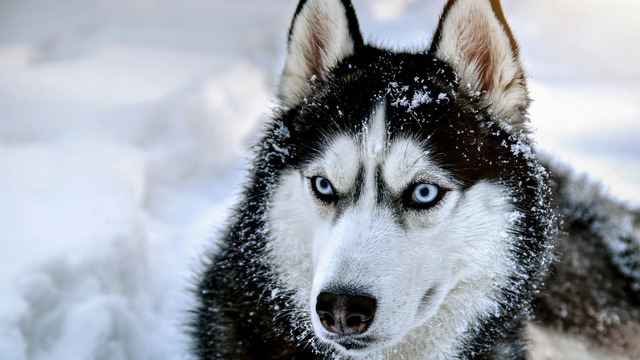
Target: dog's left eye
[423,195]
[323,189]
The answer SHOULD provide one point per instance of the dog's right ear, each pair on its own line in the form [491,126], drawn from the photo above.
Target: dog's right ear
[322,33]
[474,39]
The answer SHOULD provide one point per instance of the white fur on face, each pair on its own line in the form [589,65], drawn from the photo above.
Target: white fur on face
[431,275]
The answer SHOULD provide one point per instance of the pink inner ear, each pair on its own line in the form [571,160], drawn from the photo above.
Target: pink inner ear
[323,33]
[318,41]
[474,39]
[477,49]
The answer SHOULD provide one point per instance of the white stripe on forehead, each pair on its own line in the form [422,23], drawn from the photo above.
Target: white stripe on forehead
[347,154]
[374,137]
[403,162]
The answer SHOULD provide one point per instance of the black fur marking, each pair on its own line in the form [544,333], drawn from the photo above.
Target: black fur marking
[358,188]
[428,295]
[386,200]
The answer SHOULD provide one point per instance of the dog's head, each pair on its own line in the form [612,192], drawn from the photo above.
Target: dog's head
[401,208]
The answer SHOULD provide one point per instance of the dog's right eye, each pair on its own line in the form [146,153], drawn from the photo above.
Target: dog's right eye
[423,196]
[323,189]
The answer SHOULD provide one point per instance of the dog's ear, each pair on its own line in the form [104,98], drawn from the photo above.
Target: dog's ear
[322,33]
[474,39]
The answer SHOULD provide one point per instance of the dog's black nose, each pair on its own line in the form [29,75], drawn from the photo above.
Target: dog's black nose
[345,314]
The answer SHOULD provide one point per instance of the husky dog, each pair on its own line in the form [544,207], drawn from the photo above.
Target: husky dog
[397,210]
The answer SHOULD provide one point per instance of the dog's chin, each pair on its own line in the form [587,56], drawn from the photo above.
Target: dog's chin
[355,348]
[358,346]
[363,346]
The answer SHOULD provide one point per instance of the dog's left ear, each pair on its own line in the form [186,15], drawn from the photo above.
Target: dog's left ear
[474,39]
[323,33]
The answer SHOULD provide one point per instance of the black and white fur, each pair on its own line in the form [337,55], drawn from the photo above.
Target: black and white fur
[333,214]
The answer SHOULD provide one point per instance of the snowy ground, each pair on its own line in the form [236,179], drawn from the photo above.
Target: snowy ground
[124,128]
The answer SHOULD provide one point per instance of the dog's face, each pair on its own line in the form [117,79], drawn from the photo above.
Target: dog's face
[377,235]
[395,216]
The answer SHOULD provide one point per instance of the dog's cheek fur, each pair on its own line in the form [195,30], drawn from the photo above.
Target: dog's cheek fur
[477,247]
[291,220]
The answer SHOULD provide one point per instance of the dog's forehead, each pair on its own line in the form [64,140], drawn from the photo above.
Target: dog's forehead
[374,134]
[340,162]
[401,160]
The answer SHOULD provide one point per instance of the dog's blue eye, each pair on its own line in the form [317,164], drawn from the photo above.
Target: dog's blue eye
[322,187]
[424,194]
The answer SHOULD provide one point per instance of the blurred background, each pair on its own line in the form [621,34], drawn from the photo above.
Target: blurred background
[125,129]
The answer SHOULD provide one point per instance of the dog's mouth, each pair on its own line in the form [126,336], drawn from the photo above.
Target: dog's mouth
[356,344]
[353,345]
